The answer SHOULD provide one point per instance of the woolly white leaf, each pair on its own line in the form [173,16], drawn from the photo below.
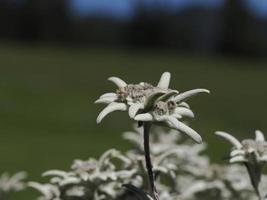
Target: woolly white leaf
[48,190]
[110,108]
[146,117]
[164,80]
[184,104]
[106,100]
[238,159]
[229,138]
[70,181]
[182,96]
[134,109]
[237,152]
[185,129]
[259,136]
[110,94]
[55,173]
[119,82]
[184,112]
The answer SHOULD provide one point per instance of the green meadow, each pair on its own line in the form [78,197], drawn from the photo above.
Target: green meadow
[47,110]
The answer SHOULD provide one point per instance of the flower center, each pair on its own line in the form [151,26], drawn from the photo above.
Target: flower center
[259,146]
[171,105]
[161,108]
[135,92]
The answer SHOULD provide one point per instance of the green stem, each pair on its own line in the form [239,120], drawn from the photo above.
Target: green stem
[254,171]
[149,166]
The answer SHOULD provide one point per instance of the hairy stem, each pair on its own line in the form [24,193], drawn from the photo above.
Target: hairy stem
[254,171]
[149,166]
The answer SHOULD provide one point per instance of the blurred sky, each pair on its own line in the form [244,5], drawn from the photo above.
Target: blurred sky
[259,7]
[126,8]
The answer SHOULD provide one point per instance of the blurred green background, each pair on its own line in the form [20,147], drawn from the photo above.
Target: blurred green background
[56,56]
[47,114]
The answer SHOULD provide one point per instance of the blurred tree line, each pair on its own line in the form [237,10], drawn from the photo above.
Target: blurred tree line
[231,29]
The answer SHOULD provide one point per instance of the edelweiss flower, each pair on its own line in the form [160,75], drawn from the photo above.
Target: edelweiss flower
[49,191]
[103,169]
[132,97]
[252,153]
[148,103]
[169,112]
[12,183]
[247,150]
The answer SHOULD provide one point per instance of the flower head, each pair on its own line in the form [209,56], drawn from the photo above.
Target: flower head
[10,183]
[252,153]
[147,103]
[132,97]
[248,150]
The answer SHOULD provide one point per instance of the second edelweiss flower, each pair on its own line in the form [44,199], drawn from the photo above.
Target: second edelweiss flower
[252,153]
[247,150]
[147,103]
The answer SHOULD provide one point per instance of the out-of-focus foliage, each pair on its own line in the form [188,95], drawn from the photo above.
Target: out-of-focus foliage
[253,154]
[11,183]
[182,172]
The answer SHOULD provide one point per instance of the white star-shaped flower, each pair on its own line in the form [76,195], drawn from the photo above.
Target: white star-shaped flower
[10,183]
[247,150]
[148,103]
[170,111]
[133,97]
[49,191]
[252,153]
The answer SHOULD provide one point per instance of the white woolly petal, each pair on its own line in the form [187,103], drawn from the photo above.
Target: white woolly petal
[259,136]
[251,150]
[149,197]
[120,83]
[169,95]
[164,80]
[144,117]
[238,159]
[110,108]
[142,83]
[55,173]
[184,112]
[40,188]
[176,115]
[134,109]
[125,174]
[160,169]
[190,93]
[185,129]
[264,158]
[110,94]
[184,104]
[55,180]
[77,191]
[190,132]
[84,176]
[229,138]
[46,189]
[70,181]
[17,177]
[106,100]
[237,152]
[194,188]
